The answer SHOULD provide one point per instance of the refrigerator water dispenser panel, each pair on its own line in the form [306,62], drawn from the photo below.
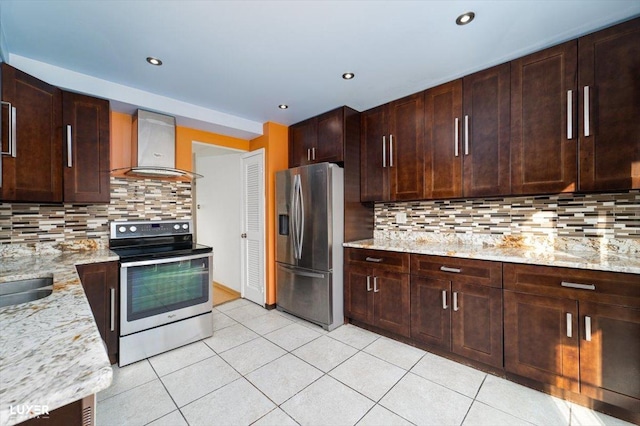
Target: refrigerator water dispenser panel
[283,224]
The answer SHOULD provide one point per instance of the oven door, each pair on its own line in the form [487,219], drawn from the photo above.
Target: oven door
[161,291]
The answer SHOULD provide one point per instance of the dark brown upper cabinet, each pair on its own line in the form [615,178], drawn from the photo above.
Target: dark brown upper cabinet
[31,161]
[320,139]
[486,131]
[392,151]
[543,145]
[442,153]
[608,109]
[86,148]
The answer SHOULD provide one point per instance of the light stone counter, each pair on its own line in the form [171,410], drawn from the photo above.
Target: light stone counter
[51,352]
[614,261]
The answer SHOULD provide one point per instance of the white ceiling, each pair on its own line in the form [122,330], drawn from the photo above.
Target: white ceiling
[228,64]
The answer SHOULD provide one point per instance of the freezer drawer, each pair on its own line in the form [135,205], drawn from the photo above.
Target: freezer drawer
[305,293]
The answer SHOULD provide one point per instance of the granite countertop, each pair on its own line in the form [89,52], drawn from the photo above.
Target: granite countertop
[51,352]
[587,259]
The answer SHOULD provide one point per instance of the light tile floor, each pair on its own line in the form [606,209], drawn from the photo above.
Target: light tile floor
[269,368]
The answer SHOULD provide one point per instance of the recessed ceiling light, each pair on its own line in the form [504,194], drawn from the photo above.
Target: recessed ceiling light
[465,18]
[154,61]
[348,75]
[283,106]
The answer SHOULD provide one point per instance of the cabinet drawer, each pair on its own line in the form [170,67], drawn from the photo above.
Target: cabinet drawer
[462,270]
[598,286]
[380,259]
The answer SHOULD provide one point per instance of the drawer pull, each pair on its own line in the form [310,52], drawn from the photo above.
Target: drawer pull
[569,326]
[447,269]
[368,283]
[374,259]
[587,328]
[578,285]
[444,299]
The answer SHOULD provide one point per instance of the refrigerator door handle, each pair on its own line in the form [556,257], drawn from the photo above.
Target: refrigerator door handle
[301,228]
[294,217]
[303,273]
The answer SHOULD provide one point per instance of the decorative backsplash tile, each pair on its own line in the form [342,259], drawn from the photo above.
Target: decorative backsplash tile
[565,215]
[131,199]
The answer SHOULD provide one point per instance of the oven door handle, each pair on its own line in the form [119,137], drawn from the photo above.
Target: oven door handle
[164,260]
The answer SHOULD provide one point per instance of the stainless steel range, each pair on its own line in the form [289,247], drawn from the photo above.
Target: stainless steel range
[165,287]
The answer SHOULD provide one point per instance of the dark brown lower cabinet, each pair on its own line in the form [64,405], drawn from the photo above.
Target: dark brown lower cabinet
[456,305]
[100,283]
[575,329]
[378,295]
[610,354]
[541,339]
[78,413]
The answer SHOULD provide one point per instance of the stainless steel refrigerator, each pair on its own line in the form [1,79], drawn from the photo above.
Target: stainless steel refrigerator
[309,253]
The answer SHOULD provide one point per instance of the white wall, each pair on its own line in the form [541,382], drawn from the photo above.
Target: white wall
[219,194]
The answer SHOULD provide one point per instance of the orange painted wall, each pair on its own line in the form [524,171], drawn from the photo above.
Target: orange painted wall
[186,135]
[275,140]
[120,140]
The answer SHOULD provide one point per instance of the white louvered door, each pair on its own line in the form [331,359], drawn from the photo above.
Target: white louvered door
[253,229]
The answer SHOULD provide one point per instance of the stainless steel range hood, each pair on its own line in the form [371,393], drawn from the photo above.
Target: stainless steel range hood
[153,145]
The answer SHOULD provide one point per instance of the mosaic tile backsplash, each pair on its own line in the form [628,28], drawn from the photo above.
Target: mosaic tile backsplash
[131,199]
[566,215]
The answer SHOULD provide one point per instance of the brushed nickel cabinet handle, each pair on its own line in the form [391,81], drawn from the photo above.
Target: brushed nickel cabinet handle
[313,153]
[587,328]
[368,283]
[113,309]
[308,154]
[375,285]
[444,299]
[578,285]
[374,259]
[455,301]
[384,151]
[447,269]
[569,325]
[10,134]
[466,135]
[455,139]
[390,150]
[569,114]
[69,146]
[587,130]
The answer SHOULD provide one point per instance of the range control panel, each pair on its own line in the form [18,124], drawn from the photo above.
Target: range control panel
[150,228]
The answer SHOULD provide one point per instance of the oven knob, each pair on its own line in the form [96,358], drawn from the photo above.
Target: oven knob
[185,226]
[122,229]
[176,226]
[133,229]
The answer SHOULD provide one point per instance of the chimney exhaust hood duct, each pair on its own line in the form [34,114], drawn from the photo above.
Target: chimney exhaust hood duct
[153,145]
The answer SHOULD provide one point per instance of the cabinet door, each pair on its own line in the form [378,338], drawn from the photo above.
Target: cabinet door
[476,323]
[358,294]
[443,157]
[406,142]
[610,354]
[391,302]
[609,66]
[374,156]
[302,137]
[543,158]
[100,283]
[486,132]
[86,151]
[330,138]
[430,311]
[541,339]
[35,173]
